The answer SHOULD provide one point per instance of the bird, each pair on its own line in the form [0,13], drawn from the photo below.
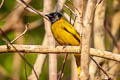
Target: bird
[65,33]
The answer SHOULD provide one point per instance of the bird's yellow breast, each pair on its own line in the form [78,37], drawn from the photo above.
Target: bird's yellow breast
[65,33]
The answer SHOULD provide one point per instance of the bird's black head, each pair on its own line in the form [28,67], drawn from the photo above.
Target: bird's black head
[53,17]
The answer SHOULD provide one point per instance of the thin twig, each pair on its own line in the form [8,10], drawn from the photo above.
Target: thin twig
[110,34]
[62,69]
[70,17]
[110,67]
[109,78]
[98,2]
[1,3]
[26,29]
[98,39]
[25,69]
[70,9]
[74,7]
[29,8]
[82,12]
[8,42]
[77,11]
[74,21]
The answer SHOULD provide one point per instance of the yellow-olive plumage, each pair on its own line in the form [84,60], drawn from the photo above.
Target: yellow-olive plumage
[64,33]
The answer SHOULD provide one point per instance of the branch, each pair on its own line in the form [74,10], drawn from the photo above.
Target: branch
[51,42]
[107,27]
[98,32]
[85,50]
[13,18]
[38,65]
[62,68]
[8,43]
[59,49]
[59,5]
[29,8]
[26,29]
[109,78]
[1,4]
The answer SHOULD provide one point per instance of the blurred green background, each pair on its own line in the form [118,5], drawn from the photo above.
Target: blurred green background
[34,36]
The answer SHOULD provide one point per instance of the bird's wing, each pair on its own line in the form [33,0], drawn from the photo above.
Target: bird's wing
[70,29]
